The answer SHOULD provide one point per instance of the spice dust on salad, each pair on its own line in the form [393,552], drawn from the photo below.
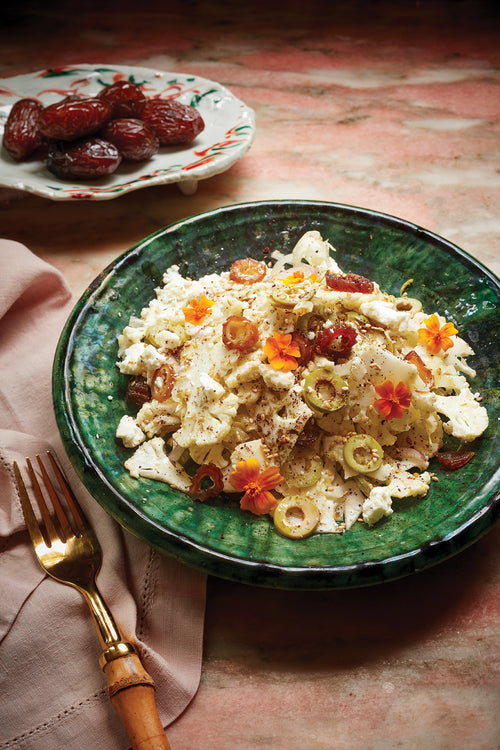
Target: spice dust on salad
[308,392]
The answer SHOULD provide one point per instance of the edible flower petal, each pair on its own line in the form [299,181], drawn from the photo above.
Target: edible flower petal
[197,310]
[436,337]
[297,277]
[248,478]
[282,352]
[394,399]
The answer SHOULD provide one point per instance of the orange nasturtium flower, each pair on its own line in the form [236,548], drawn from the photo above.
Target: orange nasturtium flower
[394,399]
[297,277]
[249,479]
[436,337]
[282,352]
[197,310]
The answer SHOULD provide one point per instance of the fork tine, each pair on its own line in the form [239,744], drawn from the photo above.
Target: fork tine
[51,531]
[61,515]
[78,515]
[29,516]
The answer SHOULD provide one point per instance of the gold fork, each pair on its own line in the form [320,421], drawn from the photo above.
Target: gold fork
[69,551]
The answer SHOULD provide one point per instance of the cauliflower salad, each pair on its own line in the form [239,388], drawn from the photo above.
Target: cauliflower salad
[309,392]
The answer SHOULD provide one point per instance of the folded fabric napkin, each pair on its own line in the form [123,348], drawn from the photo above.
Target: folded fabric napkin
[53,693]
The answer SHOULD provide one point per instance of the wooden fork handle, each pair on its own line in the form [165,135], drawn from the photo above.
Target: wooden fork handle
[132,693]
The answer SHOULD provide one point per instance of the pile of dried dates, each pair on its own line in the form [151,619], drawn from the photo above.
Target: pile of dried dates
[87,138]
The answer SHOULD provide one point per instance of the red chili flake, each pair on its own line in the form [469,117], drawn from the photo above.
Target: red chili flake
[454,459]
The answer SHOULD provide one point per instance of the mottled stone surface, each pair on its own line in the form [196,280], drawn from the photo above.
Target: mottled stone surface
[391,106]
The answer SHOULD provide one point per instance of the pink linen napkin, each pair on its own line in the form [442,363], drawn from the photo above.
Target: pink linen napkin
[53,693]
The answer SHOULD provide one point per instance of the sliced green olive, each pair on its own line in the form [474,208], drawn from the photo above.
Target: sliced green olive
[296,517]
[357,317]
[408,304]
[363,453]
[364,485]
[310,323]
[324,391]
[289,296]
[385,333]
[304,470]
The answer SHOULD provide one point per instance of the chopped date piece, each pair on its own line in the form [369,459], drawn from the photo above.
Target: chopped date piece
[71,120]
[239,333]
[247,271]
[349,282]
[305,346]
[138,392]
[87,159]
[134,139]
[454,459]
[22,134]
[125,97]
[163,382]
[309,434]
[175,124]
[335,342]
[207,482]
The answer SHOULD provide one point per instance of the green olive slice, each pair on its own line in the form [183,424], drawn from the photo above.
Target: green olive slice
[363,453]
[408,304]
[304,470]
[287,292]
[324,391]
[310,323]
[296,517]
[287,296]
[357,317]
[364,485]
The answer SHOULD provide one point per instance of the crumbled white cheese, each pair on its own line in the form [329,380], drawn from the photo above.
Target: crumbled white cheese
[129,432]
[377,505]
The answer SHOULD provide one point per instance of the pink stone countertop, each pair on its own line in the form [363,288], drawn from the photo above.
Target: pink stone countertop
[385,105]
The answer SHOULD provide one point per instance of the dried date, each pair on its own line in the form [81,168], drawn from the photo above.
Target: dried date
[125,97]
[134,139]
[138,391]
[87,159]
[87,137]
[175,124]
[74,119]
[22,136]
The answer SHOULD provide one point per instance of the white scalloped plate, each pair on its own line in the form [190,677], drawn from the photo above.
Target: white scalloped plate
[228,134]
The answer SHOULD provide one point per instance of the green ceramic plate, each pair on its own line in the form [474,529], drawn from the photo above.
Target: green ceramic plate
[217,536]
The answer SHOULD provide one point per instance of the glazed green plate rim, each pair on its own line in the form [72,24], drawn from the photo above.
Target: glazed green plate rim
[221,560]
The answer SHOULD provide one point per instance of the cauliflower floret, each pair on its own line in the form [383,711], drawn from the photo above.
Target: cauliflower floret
[132,334]
[157,418]
[245,372]
[404,484]
[151,461]
[377,505]
[129,433]
[207,419]
[281,422]
[467,418]
[139,359]
[281,381]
